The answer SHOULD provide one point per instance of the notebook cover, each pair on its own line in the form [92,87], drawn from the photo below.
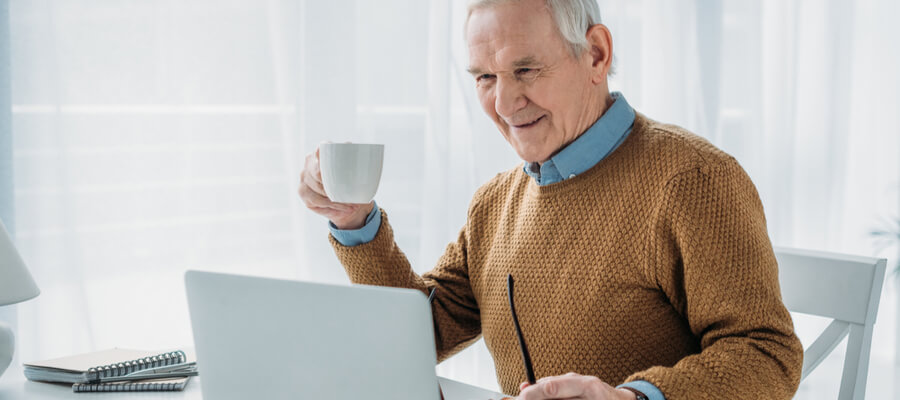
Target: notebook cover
[80,363]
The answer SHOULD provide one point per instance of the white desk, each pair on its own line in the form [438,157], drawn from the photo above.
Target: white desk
[13,385]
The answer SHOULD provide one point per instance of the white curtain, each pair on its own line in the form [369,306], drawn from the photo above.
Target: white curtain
[151,137]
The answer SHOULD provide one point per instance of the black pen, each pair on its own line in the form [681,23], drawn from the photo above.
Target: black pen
[526,358]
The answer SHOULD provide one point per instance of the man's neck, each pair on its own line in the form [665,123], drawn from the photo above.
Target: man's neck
[606,104]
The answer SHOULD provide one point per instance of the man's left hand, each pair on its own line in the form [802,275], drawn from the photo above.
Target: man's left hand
[572,386]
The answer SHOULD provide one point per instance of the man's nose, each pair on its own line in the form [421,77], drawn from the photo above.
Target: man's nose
[509,97]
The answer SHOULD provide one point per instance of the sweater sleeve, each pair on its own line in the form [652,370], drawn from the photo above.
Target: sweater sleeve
[457,321]
[712,257]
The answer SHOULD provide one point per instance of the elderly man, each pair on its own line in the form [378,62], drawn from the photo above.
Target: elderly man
[642,263]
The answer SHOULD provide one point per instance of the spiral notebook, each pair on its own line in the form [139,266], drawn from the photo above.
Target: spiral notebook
[146,385]
[117,370]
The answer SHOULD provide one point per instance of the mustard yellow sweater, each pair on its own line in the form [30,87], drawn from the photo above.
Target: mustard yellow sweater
[653,265]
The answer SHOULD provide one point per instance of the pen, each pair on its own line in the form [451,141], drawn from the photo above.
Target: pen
[526,358]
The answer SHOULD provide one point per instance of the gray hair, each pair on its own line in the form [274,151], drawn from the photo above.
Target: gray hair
[573,18]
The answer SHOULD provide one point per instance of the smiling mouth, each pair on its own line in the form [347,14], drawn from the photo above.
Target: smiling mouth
[530,124]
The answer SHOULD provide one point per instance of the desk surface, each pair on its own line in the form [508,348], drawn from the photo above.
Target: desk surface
[13,385]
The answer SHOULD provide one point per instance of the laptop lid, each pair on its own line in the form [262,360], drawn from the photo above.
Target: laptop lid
[279,339]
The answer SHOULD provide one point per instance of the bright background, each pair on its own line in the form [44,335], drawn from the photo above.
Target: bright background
[152,137]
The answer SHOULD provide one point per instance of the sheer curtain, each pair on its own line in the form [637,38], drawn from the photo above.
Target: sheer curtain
[151,137]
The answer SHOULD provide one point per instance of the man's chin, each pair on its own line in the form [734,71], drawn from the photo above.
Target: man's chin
[532,153]
[533,157]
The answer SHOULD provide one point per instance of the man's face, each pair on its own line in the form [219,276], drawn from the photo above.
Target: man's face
[527,80]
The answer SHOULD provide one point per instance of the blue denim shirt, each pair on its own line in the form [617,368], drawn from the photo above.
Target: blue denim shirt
[599,141]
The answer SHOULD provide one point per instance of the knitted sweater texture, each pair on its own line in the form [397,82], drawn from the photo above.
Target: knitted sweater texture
[653,265]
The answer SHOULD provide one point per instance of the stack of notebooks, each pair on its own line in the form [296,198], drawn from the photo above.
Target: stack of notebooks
[117,370]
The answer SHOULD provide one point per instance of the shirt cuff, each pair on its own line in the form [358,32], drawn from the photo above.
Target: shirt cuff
[354,237]
[647,388]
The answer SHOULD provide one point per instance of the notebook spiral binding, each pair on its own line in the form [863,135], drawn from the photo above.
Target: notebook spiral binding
[127,367]
[128,387]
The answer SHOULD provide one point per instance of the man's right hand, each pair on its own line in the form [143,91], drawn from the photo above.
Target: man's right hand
[342,215]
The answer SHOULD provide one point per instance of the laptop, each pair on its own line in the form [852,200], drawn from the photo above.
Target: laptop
[279,339]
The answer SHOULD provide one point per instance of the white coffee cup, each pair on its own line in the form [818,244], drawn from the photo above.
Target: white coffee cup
[351,171]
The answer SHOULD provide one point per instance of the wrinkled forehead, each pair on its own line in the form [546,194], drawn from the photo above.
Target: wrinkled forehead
[499,34]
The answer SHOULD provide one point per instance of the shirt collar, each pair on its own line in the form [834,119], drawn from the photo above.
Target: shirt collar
[590,147]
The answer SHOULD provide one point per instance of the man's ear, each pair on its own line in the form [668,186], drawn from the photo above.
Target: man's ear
[600,48]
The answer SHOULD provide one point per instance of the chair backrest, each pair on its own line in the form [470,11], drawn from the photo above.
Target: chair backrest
[842,287]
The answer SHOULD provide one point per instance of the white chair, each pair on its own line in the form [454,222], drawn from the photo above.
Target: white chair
[845,288]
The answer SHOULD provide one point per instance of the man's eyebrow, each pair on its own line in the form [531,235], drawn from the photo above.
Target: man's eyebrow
[525,62]
[529,61]
[474,70]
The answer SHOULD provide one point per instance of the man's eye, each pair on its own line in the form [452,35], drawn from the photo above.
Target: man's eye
[484,77]
[526,73]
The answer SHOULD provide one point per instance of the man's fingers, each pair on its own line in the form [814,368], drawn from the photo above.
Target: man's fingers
[547,378]
[557,387]
[311,167]
[316,171]
[311,175]
[316,186]
[329,213]
[316,200]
